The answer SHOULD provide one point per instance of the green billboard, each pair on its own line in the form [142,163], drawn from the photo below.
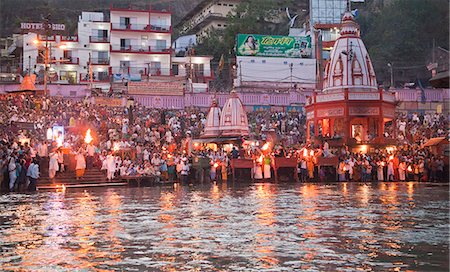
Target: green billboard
[273,46]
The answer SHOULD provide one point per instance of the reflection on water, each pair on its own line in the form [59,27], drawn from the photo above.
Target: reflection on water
[229,227]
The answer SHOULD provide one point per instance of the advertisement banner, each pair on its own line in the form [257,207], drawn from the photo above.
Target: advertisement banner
[273,46]
[155,88]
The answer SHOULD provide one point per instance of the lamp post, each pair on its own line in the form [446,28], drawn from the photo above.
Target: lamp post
[391,69]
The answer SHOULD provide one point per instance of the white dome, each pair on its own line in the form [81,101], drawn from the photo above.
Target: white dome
[350,66]
[233,121]
[212,121]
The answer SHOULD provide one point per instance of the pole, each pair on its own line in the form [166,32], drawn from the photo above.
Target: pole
[46,65]
[29,65]
[392,75]
[90,73]
[291,66]
[240,72]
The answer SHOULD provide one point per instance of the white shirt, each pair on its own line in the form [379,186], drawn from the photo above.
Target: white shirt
[91,150]
[33,171]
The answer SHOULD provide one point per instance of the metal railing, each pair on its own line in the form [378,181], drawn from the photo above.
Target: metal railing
[140,49]
[100,61]
[96,77]
[96,39]
[143,71]
[142,27]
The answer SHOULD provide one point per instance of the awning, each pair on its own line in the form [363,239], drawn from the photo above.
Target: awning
[434,141]
[440,80]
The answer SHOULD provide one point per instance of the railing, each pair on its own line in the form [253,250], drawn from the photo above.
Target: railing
[70,60]
[139,49]
[84,77]
[96,39]
[143,71]
[142,27]
[100,61]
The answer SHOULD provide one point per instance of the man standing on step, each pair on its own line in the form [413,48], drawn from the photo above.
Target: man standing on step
[110,166]
[80,164]
[90,155]
[33,175]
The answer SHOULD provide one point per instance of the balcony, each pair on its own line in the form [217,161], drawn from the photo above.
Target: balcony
[144,72]
[96,77]
[69,60]
[95,39]
[142,28]
[140,49]
[69,38]
[99,61]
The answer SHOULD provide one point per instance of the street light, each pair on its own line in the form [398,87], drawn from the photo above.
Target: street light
[391,69]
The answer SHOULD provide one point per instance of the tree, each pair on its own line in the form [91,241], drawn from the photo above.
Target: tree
[403,32]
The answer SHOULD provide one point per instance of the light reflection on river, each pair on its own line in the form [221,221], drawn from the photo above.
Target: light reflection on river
[229,227]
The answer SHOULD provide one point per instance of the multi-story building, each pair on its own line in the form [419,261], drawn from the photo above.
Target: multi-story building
[207,15]
[140,42]
[133,45]
[94,37]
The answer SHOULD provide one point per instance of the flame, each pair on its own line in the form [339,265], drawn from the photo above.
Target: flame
[260,159]
[216,165]
[305,153]
[88,138]
[265,146]
[311,153]
[391,157]
[409,168]
[116,147]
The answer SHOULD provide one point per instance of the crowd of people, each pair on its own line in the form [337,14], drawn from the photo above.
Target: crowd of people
[137,141]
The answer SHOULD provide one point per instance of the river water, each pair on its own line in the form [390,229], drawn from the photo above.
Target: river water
[229,227]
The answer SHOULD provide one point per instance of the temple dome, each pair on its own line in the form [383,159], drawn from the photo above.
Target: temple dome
[233,121]
[350,66]
[212,121]
[28,83]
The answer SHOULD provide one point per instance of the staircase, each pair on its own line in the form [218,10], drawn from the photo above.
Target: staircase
[92,178]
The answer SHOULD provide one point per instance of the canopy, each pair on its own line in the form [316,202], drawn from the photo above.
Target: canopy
[434,141]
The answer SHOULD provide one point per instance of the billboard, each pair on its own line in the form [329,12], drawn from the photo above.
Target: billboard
[273,46]
[156,88]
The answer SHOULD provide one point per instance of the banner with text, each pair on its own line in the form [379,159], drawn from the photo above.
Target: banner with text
[273,46]
[109,101]
[155,88]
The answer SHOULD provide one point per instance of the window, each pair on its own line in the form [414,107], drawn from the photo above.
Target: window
[175,69]
[125,44]
[73,93]
[124,22]
[160,45]
[252,61]
[219,25]
[155,68]
[70,76]
[263,61]
[102,76]
[285,62]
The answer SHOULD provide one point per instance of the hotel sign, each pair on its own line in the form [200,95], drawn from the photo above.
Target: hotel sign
[40,26]
[273,46]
